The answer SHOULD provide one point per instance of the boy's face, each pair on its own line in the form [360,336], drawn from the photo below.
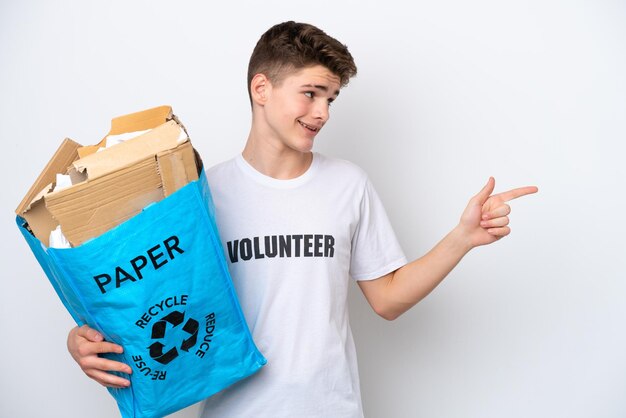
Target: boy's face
[297,108]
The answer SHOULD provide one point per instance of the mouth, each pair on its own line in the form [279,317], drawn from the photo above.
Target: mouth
[309,127]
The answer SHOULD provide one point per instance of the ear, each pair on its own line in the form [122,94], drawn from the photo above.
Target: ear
[260,87]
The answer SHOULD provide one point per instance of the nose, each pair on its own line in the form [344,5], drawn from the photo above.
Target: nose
[320,110]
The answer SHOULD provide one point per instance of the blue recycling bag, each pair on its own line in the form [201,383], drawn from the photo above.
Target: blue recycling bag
[159,286]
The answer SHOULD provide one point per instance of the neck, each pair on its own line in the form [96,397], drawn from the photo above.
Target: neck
[275,160]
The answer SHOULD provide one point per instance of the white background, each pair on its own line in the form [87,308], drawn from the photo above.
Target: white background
[448,93]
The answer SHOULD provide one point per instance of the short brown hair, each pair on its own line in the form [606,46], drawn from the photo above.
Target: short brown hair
[290,46]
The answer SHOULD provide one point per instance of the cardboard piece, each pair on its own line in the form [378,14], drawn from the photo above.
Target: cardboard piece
[116,183]
[138,121]
[32,207]
[163,137]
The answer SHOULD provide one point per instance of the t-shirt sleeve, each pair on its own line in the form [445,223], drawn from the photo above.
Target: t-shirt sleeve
[375,248]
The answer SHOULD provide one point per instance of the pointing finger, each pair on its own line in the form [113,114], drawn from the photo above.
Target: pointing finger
[515,193]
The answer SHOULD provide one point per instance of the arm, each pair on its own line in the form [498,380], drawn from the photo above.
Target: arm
[84,344]
[484,221]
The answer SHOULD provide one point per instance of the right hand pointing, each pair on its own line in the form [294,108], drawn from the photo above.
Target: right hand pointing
[84,344]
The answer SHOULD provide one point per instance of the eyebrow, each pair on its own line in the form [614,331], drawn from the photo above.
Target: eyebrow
[320,87]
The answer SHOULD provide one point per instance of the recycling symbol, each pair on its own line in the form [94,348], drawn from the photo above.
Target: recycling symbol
[174,318]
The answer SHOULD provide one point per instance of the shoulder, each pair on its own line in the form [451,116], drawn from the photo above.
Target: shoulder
[219,170]
[221,176]
[341,169]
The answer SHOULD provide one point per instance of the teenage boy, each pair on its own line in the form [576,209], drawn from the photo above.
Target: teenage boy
[295,227]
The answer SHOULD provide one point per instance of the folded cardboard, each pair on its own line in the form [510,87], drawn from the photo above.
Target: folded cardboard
[111,185]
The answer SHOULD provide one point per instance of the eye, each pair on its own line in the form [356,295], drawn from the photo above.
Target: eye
[330,102]
[309,94]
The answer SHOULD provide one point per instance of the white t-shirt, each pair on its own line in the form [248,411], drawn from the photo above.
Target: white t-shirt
[292,246]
